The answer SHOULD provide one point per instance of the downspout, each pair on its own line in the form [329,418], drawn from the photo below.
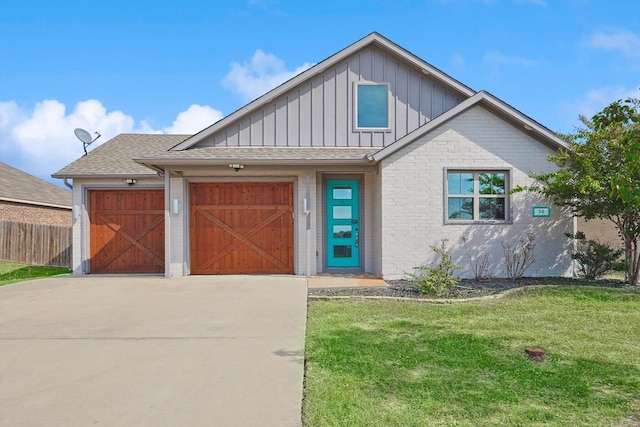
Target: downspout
[76,215]
[307,214]
[167,223]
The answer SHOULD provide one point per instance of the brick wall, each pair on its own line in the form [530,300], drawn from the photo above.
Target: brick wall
[604,231]
[33,214]
[413,198]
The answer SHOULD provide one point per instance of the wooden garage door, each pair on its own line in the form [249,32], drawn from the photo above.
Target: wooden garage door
[241,228]
[127,231]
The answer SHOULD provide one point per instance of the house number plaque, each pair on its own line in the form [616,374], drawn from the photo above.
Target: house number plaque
[541,211]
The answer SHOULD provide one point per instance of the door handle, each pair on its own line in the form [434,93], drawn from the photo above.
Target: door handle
[357,239]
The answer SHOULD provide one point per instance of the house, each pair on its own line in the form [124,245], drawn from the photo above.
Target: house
[28,199]
[602,231]
[358,164]
[35,220]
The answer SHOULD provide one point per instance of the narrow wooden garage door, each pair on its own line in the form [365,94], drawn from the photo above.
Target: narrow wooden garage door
[127,231]
[241,228]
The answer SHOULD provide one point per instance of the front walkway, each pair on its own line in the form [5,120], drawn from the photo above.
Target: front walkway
[344,281]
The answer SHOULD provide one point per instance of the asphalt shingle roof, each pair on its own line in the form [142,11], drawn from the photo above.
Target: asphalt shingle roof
[115,157]
[19,186]
[265,153]
[123,155]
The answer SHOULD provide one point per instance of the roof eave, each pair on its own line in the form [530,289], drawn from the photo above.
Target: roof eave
[160,164]
[105,176]
[522,121]
[31,202]
[484,99]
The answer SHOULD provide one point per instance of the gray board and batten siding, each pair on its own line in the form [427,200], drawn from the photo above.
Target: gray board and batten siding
[318,113]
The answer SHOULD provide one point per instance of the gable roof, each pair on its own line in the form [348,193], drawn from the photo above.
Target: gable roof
[372,39]
[115,157]
[134,155]
[20,187]
[491,103]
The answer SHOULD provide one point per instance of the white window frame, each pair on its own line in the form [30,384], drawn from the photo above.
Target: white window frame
[477,196]
[356,126]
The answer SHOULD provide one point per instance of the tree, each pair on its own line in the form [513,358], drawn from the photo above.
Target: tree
[599,177]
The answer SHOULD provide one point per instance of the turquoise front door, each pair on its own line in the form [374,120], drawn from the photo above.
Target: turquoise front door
[343,224]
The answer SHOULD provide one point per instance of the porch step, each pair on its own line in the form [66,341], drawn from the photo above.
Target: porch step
[335,281]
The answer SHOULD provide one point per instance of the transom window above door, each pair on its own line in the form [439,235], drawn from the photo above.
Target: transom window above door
[476,196]
[371,106]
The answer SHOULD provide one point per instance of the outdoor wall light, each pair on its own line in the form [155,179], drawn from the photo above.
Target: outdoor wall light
[175,206]
[129,181]
[236,166]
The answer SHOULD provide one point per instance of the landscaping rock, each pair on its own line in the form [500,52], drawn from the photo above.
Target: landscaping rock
[468,288]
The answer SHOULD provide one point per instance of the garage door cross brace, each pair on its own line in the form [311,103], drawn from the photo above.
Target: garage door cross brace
[133,241]
[244,239]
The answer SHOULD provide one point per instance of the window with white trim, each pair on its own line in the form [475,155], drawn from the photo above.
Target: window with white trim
[371,106]
[476,195]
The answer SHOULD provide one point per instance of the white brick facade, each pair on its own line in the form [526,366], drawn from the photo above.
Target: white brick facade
[413,198]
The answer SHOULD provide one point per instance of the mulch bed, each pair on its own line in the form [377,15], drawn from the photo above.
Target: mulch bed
[468,288]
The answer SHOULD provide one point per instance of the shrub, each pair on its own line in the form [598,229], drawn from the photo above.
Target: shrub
[518,258]
[438,278]
[595,259]
[479,264]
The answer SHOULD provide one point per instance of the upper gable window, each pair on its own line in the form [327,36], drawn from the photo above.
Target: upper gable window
[372,106]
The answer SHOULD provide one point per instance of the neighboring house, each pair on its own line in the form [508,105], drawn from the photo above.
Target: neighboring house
[28,199]
[35,220]
[601,230]
[359,164]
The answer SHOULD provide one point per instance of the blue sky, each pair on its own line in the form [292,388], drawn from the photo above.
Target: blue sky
[175,67]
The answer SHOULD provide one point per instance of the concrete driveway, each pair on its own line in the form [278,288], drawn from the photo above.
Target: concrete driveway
[150,351]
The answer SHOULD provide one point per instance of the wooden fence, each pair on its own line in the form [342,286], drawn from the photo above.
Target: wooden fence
[35,244]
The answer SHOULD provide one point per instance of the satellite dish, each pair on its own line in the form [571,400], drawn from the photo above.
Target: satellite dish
[85,137]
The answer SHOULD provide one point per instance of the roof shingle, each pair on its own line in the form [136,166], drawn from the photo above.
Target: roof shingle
[262,153]
[114,157]
[19,186]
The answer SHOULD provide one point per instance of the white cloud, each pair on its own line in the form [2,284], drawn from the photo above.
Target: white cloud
[622,40]
[264,72]
[41,141]
[194,119]
[497,58]
[48,130]
[10,114]
[596,99]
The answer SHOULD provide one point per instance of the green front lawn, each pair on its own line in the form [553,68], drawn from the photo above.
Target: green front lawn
[12,272]
[389,363]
